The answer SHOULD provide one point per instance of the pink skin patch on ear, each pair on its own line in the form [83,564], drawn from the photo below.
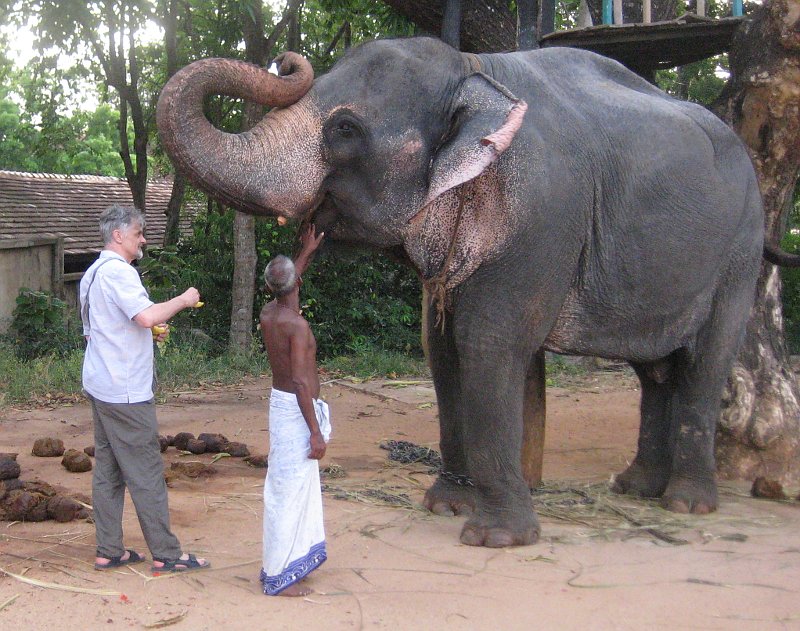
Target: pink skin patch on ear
[502,138]
[476,160]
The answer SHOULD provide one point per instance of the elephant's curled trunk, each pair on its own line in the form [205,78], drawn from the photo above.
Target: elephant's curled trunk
[233,168]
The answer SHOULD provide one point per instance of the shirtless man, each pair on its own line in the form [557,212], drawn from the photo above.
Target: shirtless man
[299,426]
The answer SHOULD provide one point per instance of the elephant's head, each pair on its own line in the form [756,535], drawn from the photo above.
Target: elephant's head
[367,152]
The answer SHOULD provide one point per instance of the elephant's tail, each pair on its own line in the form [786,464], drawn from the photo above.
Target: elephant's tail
[775,255]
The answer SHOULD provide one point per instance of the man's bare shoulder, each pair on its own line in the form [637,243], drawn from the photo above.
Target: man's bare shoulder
[273,313]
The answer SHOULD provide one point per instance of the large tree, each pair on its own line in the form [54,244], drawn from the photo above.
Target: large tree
[104,33]
[759,433]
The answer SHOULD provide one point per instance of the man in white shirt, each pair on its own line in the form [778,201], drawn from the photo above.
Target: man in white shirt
[118,376]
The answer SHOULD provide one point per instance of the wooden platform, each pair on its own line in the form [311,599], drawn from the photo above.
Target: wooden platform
[645,48]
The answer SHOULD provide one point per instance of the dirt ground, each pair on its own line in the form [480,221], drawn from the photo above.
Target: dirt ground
[601,563]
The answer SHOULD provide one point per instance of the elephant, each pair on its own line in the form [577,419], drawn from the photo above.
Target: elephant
[547,199]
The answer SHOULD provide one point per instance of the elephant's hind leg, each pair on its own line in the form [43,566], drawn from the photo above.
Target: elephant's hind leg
[648,474]
[696,404]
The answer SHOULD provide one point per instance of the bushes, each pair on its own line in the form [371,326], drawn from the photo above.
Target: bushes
[790,278]
[354,300]
[43,325]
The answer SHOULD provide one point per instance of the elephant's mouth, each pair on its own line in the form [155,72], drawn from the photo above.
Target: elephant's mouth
[325,215]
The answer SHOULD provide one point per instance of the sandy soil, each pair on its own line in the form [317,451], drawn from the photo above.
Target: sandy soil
[399,567]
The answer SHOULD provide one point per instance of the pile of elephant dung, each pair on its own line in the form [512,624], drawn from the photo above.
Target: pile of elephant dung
[73,460]
[188,470]
[206,443]
[258,460]
[9,467]
[765,488]
[33,501]
[76,461]
[48,447]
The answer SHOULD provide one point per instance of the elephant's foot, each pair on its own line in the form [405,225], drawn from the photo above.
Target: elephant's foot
[489,530]
[690,495]
[641,480]
[448,498]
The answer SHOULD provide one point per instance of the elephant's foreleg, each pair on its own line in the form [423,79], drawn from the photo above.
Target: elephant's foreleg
[492,387]
[453,493]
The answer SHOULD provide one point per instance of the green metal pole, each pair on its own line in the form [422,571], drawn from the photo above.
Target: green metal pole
[608,12]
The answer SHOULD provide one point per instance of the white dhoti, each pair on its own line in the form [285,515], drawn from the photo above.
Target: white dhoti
[294,534]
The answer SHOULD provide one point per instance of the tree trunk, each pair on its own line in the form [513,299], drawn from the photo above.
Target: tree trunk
[244,226]
[244,278]
[257,51]
[759,432]
[173,210]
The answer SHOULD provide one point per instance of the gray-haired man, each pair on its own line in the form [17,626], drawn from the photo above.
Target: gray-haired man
[117,319]
[299,427]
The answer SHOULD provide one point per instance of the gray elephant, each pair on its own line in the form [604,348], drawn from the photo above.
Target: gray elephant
[548,198]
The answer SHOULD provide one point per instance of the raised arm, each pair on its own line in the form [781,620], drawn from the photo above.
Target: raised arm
[309,241]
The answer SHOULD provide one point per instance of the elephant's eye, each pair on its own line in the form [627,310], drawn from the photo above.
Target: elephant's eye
[345,129]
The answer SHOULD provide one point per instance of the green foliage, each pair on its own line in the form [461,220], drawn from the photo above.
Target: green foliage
[372,362]
[700,82]
[790,278]
[361,302]
[321,20]
[42,325]
[47,377]
[47,135]
[183,365]
[355,301]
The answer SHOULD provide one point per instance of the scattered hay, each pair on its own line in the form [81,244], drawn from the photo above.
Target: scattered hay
[606,513]
[594,506]
[332,471]
[65,588]
[375,495]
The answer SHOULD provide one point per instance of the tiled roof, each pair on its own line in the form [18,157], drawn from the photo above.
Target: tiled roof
[49,205]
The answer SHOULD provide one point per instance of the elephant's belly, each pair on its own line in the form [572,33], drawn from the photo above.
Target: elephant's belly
[638,333]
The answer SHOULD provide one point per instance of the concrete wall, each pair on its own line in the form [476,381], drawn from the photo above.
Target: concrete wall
[31,263]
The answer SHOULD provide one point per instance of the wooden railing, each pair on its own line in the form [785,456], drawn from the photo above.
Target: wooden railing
[612,10]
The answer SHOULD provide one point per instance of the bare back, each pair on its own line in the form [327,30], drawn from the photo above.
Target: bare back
[291,348]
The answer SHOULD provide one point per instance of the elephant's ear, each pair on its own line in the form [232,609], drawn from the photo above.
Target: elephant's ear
[486,118]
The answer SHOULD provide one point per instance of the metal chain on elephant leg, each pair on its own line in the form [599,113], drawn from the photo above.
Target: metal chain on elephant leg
[436,286]
[456,478]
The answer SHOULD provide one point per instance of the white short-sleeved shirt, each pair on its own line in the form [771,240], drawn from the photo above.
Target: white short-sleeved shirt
[118,364]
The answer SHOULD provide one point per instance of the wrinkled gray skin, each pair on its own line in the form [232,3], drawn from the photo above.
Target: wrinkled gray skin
[618,223]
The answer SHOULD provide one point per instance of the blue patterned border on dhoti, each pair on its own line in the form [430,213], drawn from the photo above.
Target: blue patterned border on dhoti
[296,570]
